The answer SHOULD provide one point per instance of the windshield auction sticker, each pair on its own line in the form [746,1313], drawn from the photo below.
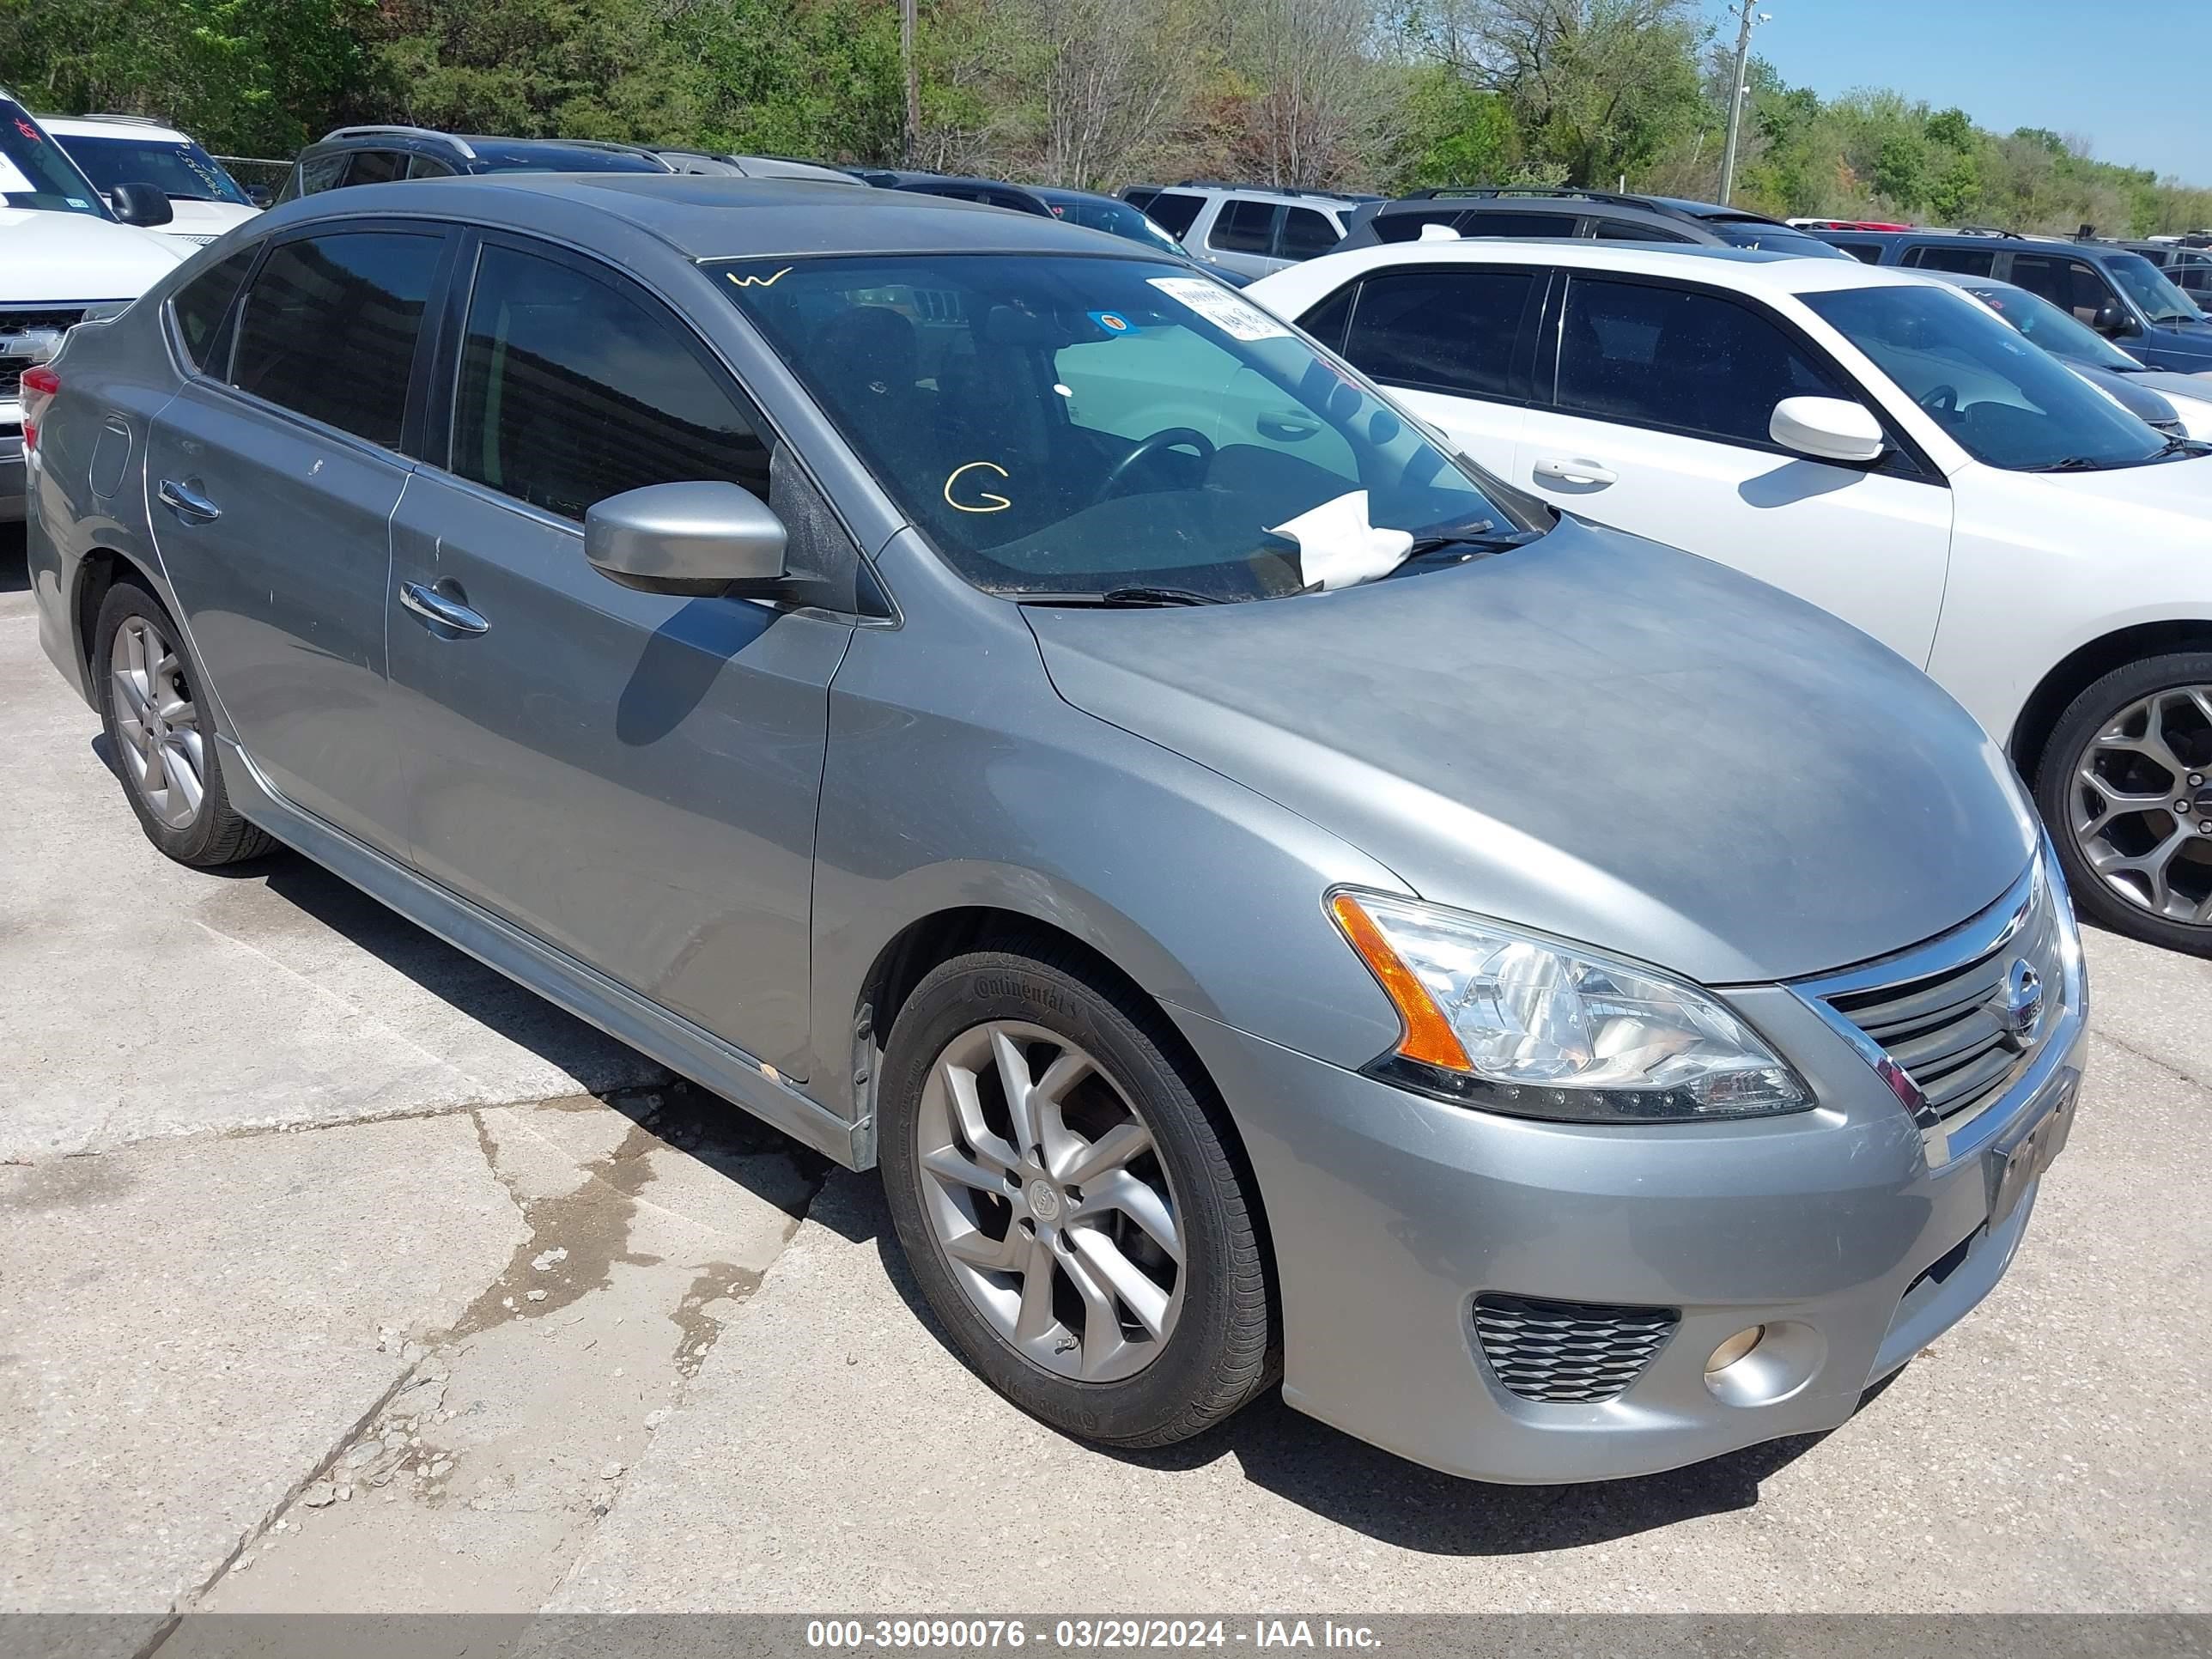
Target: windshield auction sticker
[1239,320]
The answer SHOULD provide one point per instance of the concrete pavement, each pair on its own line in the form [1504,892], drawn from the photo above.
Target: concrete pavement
[337,1274]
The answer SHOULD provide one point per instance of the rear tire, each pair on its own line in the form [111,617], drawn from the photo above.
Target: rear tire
[1127,1168]
[161,734]
[2113,784]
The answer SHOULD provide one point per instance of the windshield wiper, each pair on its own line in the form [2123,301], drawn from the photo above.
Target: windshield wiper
[2072,464]
[1133,598]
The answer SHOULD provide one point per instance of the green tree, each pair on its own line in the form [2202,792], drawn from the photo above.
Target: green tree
[1900,171]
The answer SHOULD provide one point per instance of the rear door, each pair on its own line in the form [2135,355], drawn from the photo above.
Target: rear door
[1654,419]
[271,479]
[1455,344]
[1241,237]
[631,777]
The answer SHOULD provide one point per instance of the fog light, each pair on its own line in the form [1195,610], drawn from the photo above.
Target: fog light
[1733,1349]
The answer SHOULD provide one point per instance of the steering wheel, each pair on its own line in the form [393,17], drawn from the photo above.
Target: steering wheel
[1176,437]
[1942,402]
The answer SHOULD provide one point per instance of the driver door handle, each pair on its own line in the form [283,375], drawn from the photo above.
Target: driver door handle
[187,503]
[434,607]
[1576,472]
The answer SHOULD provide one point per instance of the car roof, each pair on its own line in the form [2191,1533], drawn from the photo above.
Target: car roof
[113,126]
[706,216]
[1750,269]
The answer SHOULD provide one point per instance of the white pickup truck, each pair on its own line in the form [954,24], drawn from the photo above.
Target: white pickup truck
[64,255]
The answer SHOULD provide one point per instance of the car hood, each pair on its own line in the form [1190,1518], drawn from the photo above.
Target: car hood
[1596,737]
[48,256]
[201,222]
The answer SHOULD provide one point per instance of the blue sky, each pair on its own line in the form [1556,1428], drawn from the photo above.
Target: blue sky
[2135,81]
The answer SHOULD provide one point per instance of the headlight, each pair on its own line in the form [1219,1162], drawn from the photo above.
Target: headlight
[1512,1023]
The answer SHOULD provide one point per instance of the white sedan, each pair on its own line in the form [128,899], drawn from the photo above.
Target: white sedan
[1876,442]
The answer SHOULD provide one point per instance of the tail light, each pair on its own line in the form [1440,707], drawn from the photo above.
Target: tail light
[40,385]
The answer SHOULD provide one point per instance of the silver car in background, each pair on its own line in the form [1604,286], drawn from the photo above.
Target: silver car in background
[1274,902]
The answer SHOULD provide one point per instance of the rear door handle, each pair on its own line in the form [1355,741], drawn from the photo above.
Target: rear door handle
[188,503]
[433,606]
[1576,472]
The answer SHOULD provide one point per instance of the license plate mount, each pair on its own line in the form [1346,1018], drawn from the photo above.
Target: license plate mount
[2016,1164]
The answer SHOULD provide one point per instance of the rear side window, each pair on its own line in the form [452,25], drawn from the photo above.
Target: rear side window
[1305,233]
[1448,331]
[1867,252]
[1243,227]
[427,166]
[1677,358]
[202,305]
[2070,284]
[1967,261]
[1174,211]
[1326,321]
[377,166]
[574,388]
[329,324]
[1627,230]
[1517,224]
[1138,198]
[316,174]
[1407,226]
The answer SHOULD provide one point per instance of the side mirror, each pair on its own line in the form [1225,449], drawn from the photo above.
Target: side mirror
[1827,430]
[260,195]
[141,204]
[2111,319]
[698,538]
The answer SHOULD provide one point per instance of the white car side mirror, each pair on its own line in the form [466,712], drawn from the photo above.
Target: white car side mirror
[1827,430]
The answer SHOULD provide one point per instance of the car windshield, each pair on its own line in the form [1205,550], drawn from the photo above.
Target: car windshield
[34,174]
[2144,283]
[2002,399]
[1075,425]
[2057,331]
[1114,218]
[182,171]
[1774,239]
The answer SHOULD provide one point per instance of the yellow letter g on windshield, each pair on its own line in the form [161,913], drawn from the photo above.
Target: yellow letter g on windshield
[989,502]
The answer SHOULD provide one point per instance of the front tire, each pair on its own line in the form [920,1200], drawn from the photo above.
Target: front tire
[161,736]
[2125,785]
[1067,1201]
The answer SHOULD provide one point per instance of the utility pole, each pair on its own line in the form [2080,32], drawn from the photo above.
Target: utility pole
[1749,20]
[913,80]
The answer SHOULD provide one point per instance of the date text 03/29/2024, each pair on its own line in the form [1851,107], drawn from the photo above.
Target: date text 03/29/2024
[1085,1634]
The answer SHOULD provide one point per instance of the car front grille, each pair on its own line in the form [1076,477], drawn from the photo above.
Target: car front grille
[1568,1352]
[1947,1022]
[26,336]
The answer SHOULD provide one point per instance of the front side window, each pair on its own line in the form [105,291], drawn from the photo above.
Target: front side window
[1677,358]
[2148,287]
[1243,227]
[1448,331]
[1173,212]
[1075,425]
[1624,230]
[2002,400]
[1966,261]
[377,166]
[329,324]
[427,166]
[201,305]
[180,170]
[574,387]
[35,174]
[1305,234]
[2068,284]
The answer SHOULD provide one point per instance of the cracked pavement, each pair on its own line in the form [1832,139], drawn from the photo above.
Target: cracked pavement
[337,1274]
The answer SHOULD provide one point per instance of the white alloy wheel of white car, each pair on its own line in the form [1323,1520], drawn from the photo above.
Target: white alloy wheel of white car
[1877,443]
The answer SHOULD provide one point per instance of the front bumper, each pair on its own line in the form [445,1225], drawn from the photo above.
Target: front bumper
[1390,1214]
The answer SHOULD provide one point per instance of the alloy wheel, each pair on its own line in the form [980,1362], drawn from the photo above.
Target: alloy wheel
[1046,1195]
[158,723]
[2139,804]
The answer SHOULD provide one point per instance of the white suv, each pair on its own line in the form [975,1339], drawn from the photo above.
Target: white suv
[63,256]
[1250,232]
[124,149]
[1880,445]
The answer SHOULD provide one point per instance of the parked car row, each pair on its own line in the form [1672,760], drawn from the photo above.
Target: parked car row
[1237,820]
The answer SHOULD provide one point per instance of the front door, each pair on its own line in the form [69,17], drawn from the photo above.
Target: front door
[1659,427]
[270,497]
[631,777]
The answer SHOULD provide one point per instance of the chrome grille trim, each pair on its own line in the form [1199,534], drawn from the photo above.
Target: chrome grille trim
[1932,1010]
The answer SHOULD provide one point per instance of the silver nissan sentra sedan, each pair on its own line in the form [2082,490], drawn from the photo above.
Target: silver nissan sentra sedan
[1275,903]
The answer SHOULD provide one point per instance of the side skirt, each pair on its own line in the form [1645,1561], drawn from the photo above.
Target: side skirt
[622,1013]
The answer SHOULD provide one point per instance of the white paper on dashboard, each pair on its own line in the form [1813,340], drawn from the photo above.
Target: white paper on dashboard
[1240,319]
[1338,547]
[12,181]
